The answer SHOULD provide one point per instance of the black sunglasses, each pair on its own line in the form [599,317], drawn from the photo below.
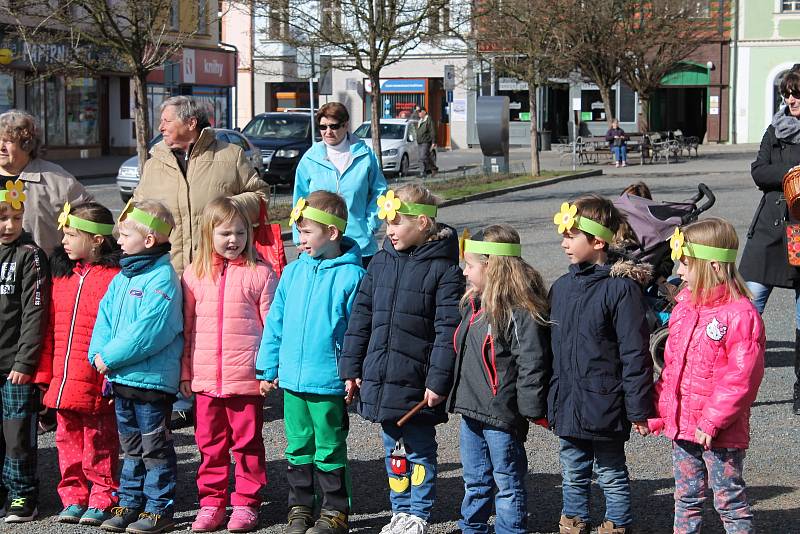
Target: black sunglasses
[334,127]
[795,94]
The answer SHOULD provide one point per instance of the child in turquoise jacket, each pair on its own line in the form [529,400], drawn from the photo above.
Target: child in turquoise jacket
[137,344]
[301,346]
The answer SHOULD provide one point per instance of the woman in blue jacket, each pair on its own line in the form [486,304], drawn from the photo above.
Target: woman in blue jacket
[344,164]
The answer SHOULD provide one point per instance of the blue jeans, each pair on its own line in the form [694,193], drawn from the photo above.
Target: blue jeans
[149,467]
[492,459]
[578,457]
[414,491]
[620,153]
[761,295]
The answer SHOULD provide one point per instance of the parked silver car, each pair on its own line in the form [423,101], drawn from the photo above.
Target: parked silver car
[128,174]
[399,147]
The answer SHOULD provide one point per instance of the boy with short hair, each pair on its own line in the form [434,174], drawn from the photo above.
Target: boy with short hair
[301,346]
[137,344]
[24,304]
[602,370]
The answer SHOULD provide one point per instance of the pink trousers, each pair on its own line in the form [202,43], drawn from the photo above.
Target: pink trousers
[225,426]
[88,452]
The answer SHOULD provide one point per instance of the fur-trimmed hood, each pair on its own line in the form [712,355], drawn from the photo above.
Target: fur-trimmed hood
[62,266]
[625,266]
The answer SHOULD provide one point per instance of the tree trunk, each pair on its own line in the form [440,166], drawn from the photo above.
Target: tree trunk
[140,118]
[532,90]
[376,115]
[644,113]
[605,94]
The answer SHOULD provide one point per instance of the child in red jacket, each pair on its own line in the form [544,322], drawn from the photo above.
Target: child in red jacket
[86,435]
[713,366]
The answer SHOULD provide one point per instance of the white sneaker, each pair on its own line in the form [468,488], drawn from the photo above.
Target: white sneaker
[415,525]
[396,524]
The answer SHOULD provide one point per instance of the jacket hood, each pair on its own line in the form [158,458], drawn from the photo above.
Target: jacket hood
[641,273]
[351,254]
[319,153]
[62,266]
[442,244]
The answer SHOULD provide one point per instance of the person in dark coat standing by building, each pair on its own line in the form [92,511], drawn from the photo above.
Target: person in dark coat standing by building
[426,142]
[765,262]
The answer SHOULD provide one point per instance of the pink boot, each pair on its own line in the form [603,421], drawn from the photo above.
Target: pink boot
[243,519]
[209,519]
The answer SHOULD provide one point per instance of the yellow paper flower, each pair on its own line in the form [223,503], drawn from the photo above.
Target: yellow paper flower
[297,211]
[462,241]
[388,205]
[63,218]
[15,194]
[676,244]
[565,219]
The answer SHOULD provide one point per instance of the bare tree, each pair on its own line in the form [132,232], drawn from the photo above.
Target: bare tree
[362,35]
[133,37]
[525,38]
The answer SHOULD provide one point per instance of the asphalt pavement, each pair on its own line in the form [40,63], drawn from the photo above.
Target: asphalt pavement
[772,470]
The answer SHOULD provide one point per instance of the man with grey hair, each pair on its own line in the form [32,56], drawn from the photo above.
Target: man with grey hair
[190,168]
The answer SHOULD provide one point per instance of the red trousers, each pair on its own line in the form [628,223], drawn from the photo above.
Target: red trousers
[88,452]
[228,426]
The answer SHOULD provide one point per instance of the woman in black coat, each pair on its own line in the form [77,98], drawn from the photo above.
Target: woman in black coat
[765,262]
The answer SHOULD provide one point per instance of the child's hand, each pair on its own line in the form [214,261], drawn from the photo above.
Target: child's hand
[18,378]
[433,398]
[703,438]
[99,365]
[641,427]
[351,387]
[265,386]
[186,388]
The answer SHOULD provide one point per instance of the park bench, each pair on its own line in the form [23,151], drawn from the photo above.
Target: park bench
[687,142]
[664,148]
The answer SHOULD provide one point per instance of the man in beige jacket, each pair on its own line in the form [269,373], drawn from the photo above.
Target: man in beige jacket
[189,168]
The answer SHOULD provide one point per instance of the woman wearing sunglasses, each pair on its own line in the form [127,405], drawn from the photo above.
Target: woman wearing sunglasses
[342,163]
[765,263]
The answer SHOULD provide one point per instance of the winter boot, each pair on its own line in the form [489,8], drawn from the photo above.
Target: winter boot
[796,397]
[330,522]
[300,520]
[608,527]
[573,525]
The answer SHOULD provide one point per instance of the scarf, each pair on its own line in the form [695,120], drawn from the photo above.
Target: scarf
[786,126]
[136,264]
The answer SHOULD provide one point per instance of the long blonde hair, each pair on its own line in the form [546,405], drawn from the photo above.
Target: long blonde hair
[714,232]
[221,210]
[510,283]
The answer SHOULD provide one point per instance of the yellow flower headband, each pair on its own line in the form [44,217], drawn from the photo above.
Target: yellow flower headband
[567,218]
[302,209]
[14,194]
[65,219]
[389,206]
[680,248]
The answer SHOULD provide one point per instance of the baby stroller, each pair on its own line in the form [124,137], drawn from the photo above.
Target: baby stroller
[653,222]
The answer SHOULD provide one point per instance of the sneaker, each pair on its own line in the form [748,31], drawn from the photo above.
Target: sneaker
[121,517]
[573,525]
[608,527]
[330,522]
[396,524]
[209,519]
[71,514]
[149,523]
[22,510]
[243,519]
[299,520]
[624,163]
[180,419]
[95,517]
[415,525]
[616,164]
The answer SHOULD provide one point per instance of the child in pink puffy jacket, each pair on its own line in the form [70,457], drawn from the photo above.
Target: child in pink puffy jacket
[713,366]
[227,293]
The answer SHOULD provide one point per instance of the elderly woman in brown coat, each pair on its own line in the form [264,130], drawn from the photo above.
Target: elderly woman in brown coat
[47,185]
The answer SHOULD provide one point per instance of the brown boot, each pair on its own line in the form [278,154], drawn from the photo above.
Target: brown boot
[573,525]
[609,528]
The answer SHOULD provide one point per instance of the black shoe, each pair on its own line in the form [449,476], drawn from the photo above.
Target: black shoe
[330,522]
[122,518]
[181,419]
[150,523]
[22,510]
[47,421]
[300,520]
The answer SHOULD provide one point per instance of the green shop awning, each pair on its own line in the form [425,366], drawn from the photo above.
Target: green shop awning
[688,73]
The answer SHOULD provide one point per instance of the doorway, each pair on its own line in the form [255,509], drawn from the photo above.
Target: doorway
[680,108]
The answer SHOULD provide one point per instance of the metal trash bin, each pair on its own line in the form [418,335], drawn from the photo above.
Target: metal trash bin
[545,140]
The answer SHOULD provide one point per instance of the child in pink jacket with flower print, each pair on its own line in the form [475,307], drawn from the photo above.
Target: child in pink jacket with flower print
[713,366]
[227,293]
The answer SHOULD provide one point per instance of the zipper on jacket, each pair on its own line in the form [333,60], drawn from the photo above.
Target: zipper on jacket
[491,366]
[69,339]
[303,330]
[220,317]
[119,309]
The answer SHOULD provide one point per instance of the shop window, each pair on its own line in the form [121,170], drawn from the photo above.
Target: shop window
[396,105]
[56,114]
[82,112]
[791,6]
[592,109]
[6,92]
[215,101]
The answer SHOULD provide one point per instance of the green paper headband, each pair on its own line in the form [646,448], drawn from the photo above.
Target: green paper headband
[65,219]
[389,206]
[410,208]
[151,221]
[705,252]
[594,228]
[302,209]
[491,248]
[568,217]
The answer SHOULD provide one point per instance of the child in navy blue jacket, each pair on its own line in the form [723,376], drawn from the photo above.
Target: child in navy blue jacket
[602,371]
[399,346]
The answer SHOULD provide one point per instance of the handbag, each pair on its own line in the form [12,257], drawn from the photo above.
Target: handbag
[267,241]
[793,243]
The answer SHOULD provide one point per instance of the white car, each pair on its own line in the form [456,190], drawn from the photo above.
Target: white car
[398,145]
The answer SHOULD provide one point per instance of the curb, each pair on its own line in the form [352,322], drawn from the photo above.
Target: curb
[497,192]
